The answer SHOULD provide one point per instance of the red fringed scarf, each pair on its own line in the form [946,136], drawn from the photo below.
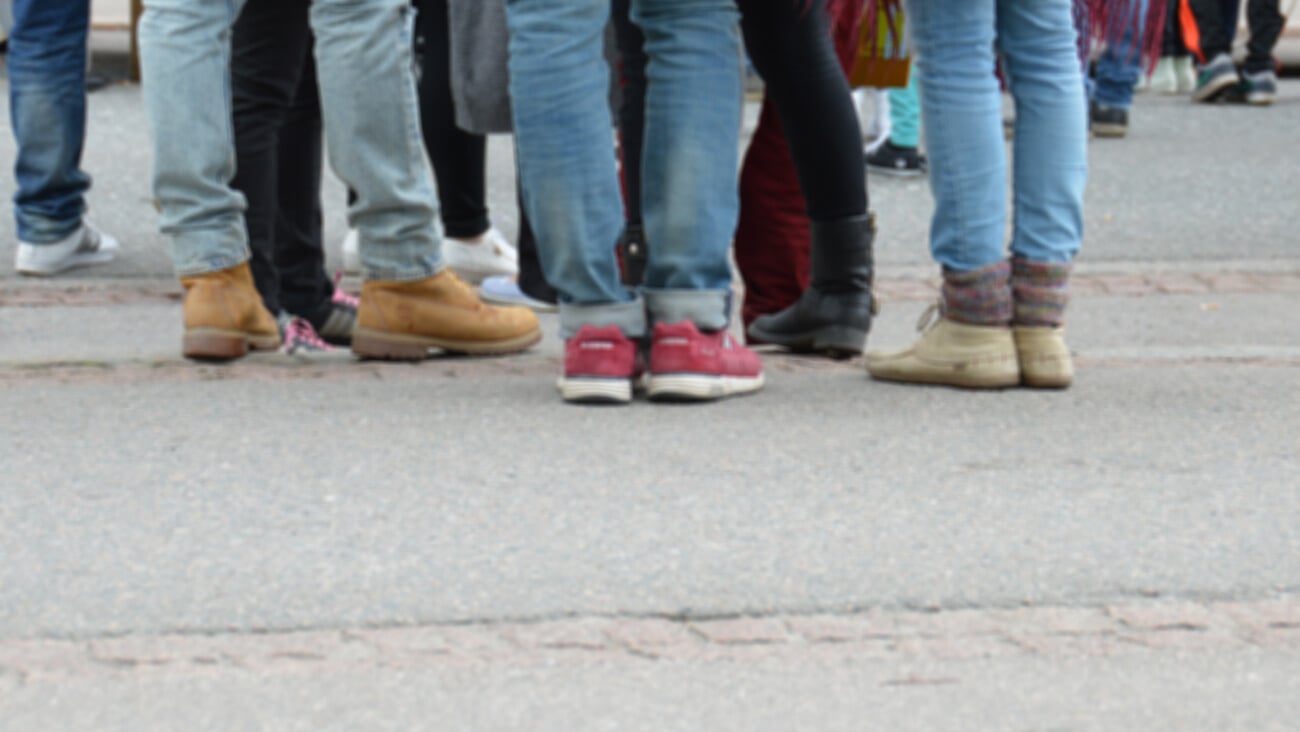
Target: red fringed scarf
[1106,21]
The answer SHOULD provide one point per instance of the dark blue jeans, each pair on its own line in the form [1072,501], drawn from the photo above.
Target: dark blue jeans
[47,107]
[1120,64]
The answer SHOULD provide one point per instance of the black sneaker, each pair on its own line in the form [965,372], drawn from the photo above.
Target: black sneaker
[1215,78]
[1108,121]
[1259,88]
[891,159]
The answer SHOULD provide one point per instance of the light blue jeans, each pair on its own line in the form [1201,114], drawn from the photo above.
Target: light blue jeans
[956,43]
[372,128]
[47,109]
[558,79]
[1120,65]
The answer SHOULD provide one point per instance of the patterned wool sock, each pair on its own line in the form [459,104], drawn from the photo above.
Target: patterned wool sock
[1042,290]
[979,296]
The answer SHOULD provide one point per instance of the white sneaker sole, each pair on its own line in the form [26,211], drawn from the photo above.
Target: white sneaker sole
[595,390]
[108,248]
[698,387]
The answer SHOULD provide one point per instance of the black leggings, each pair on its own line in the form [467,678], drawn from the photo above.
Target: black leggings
[459,158]
[792,50]
[277,127]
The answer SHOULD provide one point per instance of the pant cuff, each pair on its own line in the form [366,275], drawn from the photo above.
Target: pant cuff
[211,250]
[628,316]
[708,309]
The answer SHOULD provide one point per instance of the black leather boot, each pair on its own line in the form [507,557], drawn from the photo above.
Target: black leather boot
[833,315]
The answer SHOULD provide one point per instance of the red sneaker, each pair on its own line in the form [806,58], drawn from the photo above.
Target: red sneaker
[690,365]
[599,366]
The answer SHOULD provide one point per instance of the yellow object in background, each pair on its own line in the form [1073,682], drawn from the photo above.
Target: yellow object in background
[883,60]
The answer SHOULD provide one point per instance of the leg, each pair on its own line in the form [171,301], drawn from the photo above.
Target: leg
[47,96]
[270,46]
[1207,30]
[971,343]
[371,115]
[570,182]
[689,197]
[1051,160]
[1120,64]
[631,134]
[459,158]
[185,60]
[1266,23]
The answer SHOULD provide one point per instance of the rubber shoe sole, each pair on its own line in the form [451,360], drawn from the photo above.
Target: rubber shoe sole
[1215,86]
[699,387]
[1109,129]
[217,344]
[368,343]
[594,390]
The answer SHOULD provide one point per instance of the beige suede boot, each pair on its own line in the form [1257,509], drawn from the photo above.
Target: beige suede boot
[952,354]
[224,316]
[403,320]
[1041,292]
[1045,360]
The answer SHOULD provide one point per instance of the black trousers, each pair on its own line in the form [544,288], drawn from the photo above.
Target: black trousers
[790,45]
[1209,25]
[277,124]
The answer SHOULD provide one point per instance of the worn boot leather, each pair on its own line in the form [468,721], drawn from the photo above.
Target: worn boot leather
[834,314]
[224,316]
[403,320]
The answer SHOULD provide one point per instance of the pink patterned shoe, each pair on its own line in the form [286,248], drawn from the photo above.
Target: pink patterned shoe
[299,338]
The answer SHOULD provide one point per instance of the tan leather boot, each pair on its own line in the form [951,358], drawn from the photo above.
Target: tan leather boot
[403,320]
[952,354]
[1045,360]
[224,316]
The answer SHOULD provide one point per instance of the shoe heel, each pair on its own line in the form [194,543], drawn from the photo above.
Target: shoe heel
[840,341]
[371,344]
[213,345]
[596,391]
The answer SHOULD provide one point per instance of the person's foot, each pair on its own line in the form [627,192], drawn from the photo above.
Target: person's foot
[689,365]
[1185,73]
[1045,360]
[335,321]
[298,337]
[402,320]
[1215,78]
[485,256]
[1164,77]
[1258,88]
[600,366]
[950,353]
[503,290]
[224,316]
[84,247]
[1108,121]
[352,252]
[891,159]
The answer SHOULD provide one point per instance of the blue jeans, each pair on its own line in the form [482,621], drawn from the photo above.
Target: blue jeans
[558,78]
[47,107]
[962,107]
[372,129]
[1120,64]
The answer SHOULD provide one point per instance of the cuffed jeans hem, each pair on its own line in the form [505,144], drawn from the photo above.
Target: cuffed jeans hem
[401,262]
[41,230]
[628,316]
[707,309]
[200,252]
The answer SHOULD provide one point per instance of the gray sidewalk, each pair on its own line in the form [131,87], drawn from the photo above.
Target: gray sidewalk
[288,543]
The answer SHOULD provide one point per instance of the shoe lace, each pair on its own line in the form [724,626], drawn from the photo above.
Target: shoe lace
[342,297]
[299,335]
[930,317]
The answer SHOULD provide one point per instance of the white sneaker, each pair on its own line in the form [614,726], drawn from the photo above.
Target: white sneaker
[352,252]
[475,261]
[1185,73]
[1164,80]
[502,290]
[82,248]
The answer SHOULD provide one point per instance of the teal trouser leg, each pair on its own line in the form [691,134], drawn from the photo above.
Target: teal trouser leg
[905,115]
